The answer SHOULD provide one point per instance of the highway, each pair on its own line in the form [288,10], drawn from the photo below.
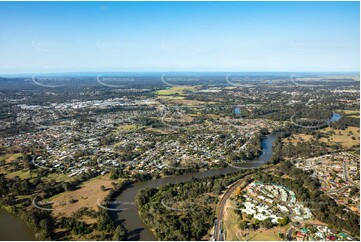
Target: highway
[222,205]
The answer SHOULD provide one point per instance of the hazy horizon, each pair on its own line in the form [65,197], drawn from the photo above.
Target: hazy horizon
[159,73]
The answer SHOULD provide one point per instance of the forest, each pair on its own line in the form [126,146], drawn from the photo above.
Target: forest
[184,211]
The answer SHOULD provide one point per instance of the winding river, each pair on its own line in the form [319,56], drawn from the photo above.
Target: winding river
[12,228]
[129,216]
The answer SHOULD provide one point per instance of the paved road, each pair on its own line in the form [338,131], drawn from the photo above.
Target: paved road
[289,234]
[346,176]
[345,171]
[222,205]
[338,190]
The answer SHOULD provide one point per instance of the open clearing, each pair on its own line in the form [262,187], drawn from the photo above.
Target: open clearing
[267,234]
[159,131]
[10,157]
[295,138]
[127,128]
[85,197]
[22,174]
[344,137]
[176,90]
[59,177]
[230,223]
[350,112]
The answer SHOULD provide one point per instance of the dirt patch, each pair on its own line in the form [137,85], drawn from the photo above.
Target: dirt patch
[88,220]
[313,221]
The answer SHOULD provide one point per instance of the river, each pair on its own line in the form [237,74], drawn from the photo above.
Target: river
[12,228]
[130,218]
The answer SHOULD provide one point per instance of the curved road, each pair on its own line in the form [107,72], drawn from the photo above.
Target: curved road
[222,205]
[223,202]
[345,177]
[130,217]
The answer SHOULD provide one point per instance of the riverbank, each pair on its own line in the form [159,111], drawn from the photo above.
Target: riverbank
[13,228]
[130,217]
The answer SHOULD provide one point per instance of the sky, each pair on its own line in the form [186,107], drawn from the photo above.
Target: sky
[43,37]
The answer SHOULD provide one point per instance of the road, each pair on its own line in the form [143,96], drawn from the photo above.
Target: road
[345,177]
[222,205]
[345,171]
[288,236]
[338,190]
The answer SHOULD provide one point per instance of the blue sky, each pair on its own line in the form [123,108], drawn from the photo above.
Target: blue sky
[179,36]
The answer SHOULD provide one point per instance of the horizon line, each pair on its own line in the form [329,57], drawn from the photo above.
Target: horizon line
[172,71]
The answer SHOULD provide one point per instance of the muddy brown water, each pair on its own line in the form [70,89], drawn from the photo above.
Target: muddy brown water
[13,228]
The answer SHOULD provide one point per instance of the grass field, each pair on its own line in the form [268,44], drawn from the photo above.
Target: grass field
[349,112]
[126,128]
[85,197]
[342,136]
[176,90]
[59,177]
[159,131]
[267,234]
[295,138]
[10,157]
[179,119]
[22,174]
[230,223]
